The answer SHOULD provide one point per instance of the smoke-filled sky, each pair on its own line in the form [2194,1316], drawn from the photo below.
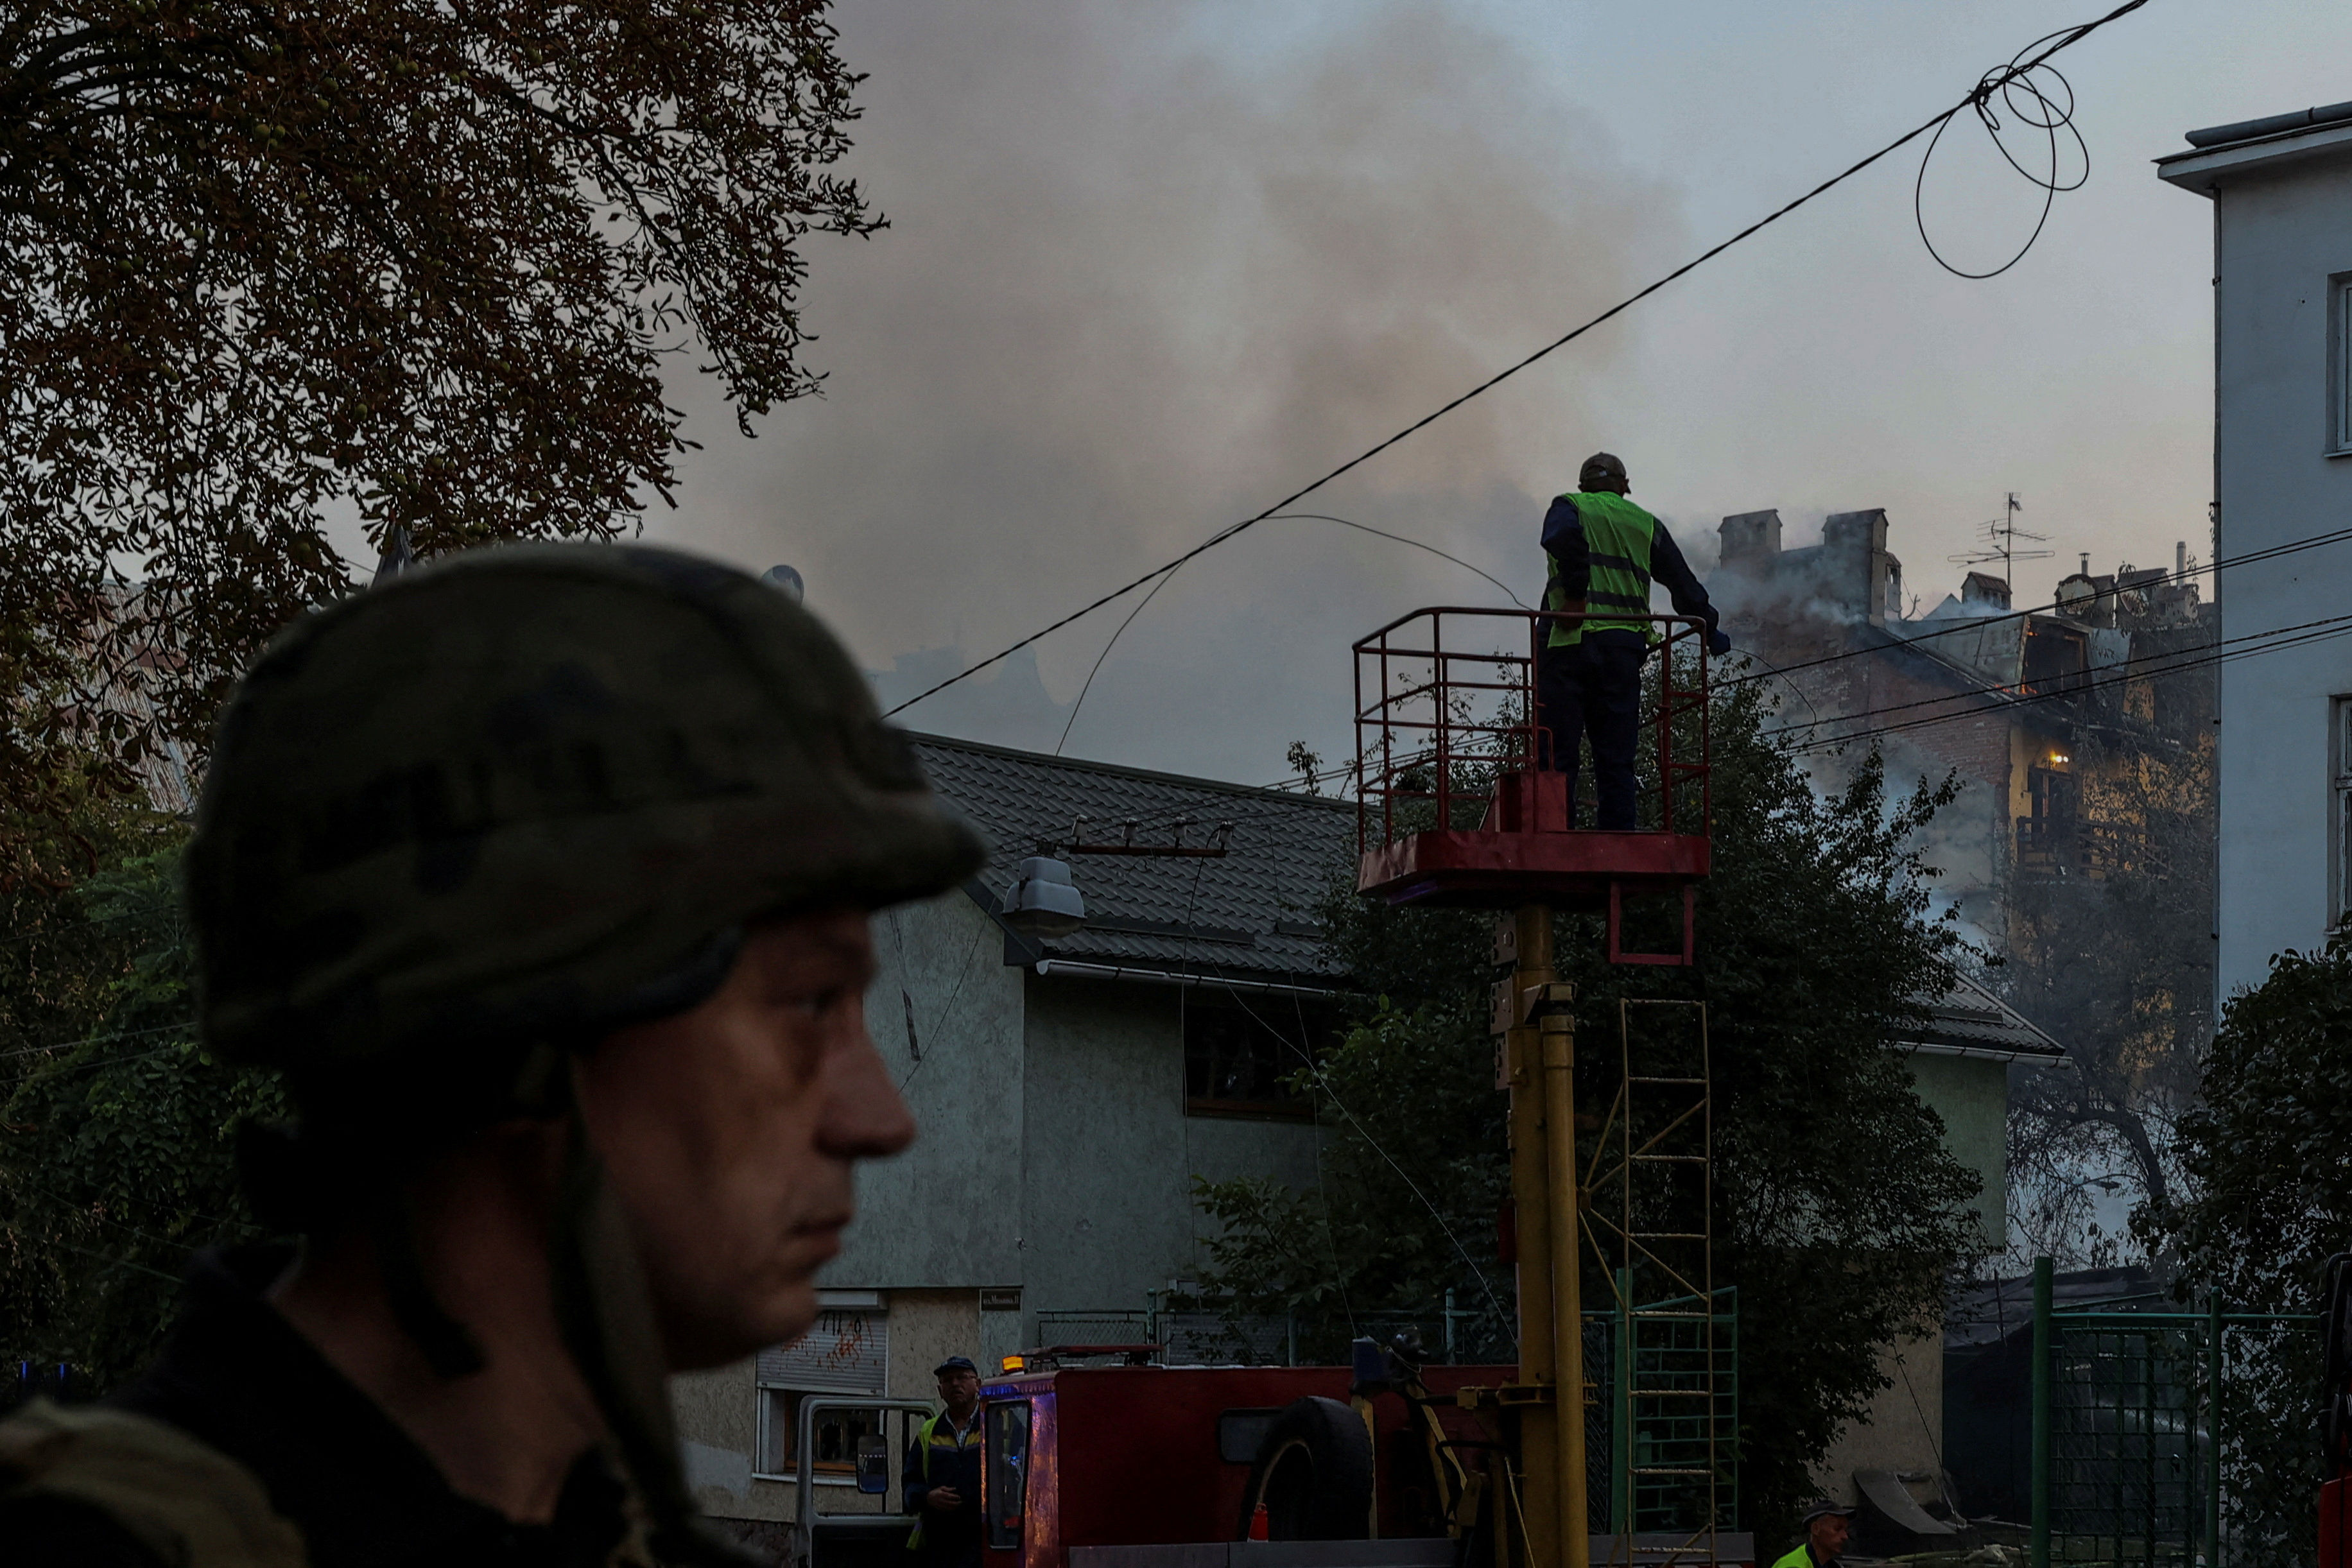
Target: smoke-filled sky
[1152,268]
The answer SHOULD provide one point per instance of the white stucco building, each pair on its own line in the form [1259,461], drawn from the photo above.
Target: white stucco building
[2281,194]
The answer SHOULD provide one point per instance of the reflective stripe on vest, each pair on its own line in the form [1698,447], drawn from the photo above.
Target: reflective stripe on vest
[929,1435]
[1617,538]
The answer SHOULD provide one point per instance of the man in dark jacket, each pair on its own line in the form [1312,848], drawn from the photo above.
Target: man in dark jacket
[943,1472]
[1604,552]
[541,875]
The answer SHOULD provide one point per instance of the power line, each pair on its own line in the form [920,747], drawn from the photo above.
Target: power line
[2018,70]
[112,1060]
[1911,641]
[1095,669]
[1829,742]
[1972,623]
[2182,659]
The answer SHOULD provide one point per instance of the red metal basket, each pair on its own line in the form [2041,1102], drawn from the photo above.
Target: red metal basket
[1451,807]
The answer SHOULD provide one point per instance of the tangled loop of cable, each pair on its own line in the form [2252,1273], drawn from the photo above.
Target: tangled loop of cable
[2038,98]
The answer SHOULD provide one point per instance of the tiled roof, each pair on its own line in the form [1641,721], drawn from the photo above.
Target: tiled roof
[1969,1021]
[1248,914]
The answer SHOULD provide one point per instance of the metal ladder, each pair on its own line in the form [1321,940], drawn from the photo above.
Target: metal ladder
[1650,1208]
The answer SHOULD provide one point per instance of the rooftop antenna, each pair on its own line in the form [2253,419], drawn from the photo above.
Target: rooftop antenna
[1997,541]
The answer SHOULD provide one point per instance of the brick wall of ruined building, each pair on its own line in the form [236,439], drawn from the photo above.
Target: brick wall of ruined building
[1842,600]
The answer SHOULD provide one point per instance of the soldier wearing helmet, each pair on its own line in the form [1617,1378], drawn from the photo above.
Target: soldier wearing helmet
[1604,552]
[542,874]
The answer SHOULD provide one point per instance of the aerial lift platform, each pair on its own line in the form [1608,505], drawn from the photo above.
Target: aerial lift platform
[1452,810]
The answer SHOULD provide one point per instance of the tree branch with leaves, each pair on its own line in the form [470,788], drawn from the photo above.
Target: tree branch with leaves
[267,265]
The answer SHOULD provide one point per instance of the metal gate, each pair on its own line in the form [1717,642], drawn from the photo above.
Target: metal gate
[2128,1444]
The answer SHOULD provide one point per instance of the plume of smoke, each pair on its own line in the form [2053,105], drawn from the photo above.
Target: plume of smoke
[1149,267]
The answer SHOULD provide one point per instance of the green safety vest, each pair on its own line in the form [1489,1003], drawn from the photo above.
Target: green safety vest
[1802,1557]
[1617,537]
[934,1434]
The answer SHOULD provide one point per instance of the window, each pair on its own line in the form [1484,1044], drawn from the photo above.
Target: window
[2339,763]
[847,1354]
[841,1436]
[2339,365]
[1004,1483]
[2052,793]
[1241,1053]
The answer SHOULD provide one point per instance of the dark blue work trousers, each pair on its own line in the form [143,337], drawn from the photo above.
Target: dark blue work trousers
[1592,689]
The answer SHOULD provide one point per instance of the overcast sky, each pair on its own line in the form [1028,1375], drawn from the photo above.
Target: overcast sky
[1152,268]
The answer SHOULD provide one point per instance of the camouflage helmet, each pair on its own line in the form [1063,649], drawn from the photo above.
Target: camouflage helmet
[1602,471]
[525,790]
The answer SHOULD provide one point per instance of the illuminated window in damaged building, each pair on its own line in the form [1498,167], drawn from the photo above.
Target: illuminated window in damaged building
[1243,1053]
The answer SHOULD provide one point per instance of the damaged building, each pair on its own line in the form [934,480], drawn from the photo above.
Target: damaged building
[2040,713]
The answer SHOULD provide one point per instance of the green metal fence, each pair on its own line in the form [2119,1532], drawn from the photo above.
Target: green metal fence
[1661,1412]
[2127,1436]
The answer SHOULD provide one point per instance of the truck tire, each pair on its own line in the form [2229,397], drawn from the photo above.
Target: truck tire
[1313,1474]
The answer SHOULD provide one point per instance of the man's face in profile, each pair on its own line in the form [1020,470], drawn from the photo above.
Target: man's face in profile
[1829,1535]
[730,1133]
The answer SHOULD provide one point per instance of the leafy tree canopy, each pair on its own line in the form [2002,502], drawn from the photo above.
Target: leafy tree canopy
[1839,1214]
[115,1146]
[267,262]
[2264,1150]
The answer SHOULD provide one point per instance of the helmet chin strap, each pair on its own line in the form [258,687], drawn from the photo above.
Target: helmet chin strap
[604,1310]
[449,1347]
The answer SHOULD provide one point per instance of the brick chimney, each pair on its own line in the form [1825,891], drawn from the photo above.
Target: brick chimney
[1750,540]
[1859,573]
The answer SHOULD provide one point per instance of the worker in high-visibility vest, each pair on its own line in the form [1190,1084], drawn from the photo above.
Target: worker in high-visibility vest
[943,1472]
[1604,552]
[1826,1532]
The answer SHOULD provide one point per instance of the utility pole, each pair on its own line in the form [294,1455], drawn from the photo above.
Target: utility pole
[1531,1203]
[1539,1048]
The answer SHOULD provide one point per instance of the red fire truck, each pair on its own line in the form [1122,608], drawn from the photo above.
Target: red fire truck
[1380,1465]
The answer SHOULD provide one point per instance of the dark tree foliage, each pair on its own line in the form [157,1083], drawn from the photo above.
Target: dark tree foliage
[267,262]
[1839,1214]
[115,1147]
[2268,1154]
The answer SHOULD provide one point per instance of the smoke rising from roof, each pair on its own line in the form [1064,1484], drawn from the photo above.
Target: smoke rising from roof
[1149,268]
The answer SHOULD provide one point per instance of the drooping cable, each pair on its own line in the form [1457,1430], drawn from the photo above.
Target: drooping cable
[2018,69]
[1095,669]
[2037,96]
